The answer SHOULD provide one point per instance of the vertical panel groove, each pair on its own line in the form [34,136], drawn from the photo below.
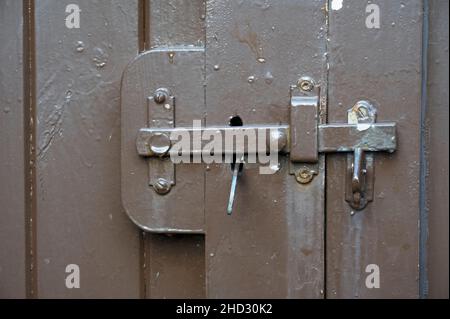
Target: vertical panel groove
[29,84]
[325,120]
[423,282]
[143,265]
[143,45]
[143,25]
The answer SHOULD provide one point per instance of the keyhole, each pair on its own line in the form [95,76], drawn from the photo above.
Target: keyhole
[236,121]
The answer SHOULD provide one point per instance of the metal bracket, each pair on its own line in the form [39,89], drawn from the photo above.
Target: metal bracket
[149,86]
[161,113]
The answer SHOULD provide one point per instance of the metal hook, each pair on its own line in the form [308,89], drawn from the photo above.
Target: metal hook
[358,173]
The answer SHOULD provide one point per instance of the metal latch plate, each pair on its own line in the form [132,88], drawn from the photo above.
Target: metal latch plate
[180,70]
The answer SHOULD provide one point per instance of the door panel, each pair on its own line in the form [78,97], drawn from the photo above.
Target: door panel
[80,219]
[272,244]
[382,66]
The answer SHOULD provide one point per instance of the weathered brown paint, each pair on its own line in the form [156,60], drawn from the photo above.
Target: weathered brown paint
[382,66]
[176,266]
[80,219]
[175,22]
[12,148]
[437,124]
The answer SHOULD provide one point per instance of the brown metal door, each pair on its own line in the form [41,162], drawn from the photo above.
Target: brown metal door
[339,215]
[258,65]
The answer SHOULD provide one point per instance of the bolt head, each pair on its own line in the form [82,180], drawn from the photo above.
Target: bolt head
[162,186]
[160,96]
[306,84]
[304,175]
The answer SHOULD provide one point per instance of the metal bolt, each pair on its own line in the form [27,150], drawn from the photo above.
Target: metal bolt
[159,144]
[160,95]
[306,83]
[162,186]
[304,175]
[277,138]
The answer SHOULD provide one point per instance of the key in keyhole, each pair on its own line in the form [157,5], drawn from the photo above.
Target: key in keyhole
[237,167]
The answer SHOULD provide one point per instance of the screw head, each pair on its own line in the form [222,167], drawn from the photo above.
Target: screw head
[306,84]
[304,175]
[162,186]
[160,96]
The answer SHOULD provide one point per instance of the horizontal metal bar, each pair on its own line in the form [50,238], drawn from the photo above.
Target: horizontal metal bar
[245,139]
[230,140]
[370,137]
